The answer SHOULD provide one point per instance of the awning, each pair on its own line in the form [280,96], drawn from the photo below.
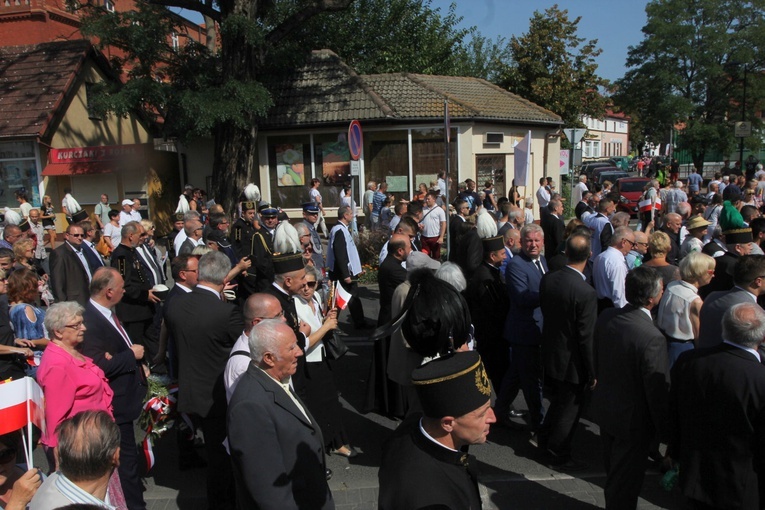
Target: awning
[82,168]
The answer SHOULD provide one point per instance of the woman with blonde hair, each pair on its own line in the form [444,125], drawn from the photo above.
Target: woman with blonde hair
[679,308]
[659,246]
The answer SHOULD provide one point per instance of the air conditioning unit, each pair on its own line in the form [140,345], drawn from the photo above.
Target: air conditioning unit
[493,138]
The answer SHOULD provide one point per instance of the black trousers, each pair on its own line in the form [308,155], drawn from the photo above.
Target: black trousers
[128,469]
[220,475]
[566,404]
[625,461]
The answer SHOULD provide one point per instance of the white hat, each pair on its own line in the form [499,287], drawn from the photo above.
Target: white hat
[127,201]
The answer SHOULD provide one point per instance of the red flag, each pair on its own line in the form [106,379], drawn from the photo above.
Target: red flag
[342,297]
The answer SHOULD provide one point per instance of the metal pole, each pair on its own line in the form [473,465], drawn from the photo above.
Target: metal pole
[447,137]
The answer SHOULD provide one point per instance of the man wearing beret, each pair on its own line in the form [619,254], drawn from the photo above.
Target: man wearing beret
[425,463]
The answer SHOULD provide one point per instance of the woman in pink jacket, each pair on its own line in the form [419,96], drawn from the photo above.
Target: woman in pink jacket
[70,381]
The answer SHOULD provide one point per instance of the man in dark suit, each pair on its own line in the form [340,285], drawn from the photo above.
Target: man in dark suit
[205,328]
[523,328]
[462,209]
[88,247]
[392,273]
[569,308]
[112,349]
[553,227]
[749,283]
[136,310]
[738,243]
[630,400]
[70,272]
[487,298]
[717,416]
[262,247]
[276,444]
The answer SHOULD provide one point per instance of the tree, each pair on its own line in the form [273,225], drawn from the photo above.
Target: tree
[196,91]
[689,72]
[555,68]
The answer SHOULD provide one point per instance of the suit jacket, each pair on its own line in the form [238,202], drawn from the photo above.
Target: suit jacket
[278,455]
[487,298]
[723,278]
[631,398]
[569,307]
[553,228]
[524,318]
[580,208]
[204,329]
[69,281]
[712,311]
[135,305]
[718,426]
[469,252]
[187,246]
[391,275]
[123,370]
[261,251]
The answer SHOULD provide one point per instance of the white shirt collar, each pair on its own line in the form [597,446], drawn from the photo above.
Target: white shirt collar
[430,438]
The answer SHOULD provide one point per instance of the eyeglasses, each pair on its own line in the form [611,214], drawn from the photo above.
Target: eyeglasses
[632,243]
[310,284]
[280,314]
[76,235]
[189,270]
[7,455]
[74,326]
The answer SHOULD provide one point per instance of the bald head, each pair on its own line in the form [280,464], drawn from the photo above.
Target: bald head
[641,242]
[259,307]
[399,246]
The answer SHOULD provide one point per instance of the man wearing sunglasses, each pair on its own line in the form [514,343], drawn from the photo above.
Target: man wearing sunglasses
[610,270]
[70,272]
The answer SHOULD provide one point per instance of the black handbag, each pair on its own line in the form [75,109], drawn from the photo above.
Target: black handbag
[335,346]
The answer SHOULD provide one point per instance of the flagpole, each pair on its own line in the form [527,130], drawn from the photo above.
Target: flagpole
[28,443]
[447,139]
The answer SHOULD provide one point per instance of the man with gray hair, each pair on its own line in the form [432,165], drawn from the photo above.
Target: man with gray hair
[344,264]
[87,454]
[276,444]
[257,308]
[188,219]
[205,328]
[717,404]
[610,269]
[368,203]
[193,230]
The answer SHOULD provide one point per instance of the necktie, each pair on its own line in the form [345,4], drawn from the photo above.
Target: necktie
[538,263]
[121,329]
[295,399]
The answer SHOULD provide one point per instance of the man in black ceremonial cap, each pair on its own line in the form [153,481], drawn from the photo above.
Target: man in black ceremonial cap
[426,464]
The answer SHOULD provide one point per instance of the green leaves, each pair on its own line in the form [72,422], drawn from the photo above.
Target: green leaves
[555,68]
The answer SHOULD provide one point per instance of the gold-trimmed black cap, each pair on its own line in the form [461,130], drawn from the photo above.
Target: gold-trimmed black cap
[288,262]
[178,217]
[738,236]
[491,244]
[24,226]
[248,206]
[452,385]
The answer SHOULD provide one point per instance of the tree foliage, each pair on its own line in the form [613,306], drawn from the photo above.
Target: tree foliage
[689,72]
[555,68]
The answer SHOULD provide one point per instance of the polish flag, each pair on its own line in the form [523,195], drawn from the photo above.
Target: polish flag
[342,297]
[21,403]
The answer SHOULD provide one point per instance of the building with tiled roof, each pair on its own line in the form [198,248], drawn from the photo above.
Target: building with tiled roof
[305,133]
[50,140]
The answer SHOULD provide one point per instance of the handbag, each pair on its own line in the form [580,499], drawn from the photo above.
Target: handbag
[102,247]
[335,346]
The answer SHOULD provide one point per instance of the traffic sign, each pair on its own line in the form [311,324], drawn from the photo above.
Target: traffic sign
[355,140]
[355,168]
[574,135]
[743,129]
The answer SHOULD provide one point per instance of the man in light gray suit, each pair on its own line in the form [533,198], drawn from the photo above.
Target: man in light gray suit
[749,283]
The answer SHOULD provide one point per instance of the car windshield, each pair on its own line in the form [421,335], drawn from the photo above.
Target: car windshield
[610,177]
[631,186]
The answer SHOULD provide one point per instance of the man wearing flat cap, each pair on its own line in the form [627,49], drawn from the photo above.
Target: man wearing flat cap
[425,463]
[310,220]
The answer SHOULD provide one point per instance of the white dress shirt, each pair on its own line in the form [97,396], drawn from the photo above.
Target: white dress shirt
[609,273]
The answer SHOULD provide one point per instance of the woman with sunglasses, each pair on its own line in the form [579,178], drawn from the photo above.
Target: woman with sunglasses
[16,486]
[321,395]
[70,381]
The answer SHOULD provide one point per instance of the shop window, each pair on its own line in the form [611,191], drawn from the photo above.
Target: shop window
[386,158]
[491,168]
[289,165]
[18,169]
[429,157]
[332,160]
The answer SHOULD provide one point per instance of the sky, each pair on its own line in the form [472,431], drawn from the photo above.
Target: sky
[616,24]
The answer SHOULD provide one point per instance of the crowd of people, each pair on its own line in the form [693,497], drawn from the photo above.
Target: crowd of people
[653,331]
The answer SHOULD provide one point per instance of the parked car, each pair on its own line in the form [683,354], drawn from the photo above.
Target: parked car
[595,177]
[612,176]
[630,191]
[590,166]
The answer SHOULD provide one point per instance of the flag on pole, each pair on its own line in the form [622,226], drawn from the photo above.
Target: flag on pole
[22,405]
[522,160]
[342,297]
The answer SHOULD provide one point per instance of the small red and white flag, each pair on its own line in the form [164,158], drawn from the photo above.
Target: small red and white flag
[342,297]
[22,405]
[645,205]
